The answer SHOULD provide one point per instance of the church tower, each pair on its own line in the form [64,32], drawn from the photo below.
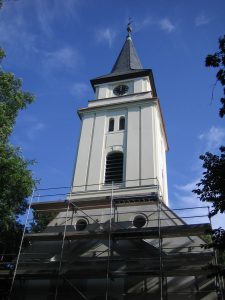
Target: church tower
[123,140]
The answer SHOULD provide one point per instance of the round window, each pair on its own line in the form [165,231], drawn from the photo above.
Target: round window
[139,221]
[81,224]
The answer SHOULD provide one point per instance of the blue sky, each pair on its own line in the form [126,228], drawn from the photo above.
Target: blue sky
[57,46]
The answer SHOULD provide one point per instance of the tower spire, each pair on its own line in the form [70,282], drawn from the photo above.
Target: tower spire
[128,59]
[127,65]
[129,28]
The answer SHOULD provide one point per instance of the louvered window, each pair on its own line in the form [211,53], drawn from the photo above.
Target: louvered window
[122,123]
[111,124]
[114,168]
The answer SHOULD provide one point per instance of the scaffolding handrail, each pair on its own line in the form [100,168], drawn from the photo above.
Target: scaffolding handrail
[93,184]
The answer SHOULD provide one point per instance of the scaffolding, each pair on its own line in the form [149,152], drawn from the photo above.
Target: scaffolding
[117,245]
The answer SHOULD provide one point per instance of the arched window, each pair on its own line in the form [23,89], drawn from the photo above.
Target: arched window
[114,167]
[111,124]
[122,123]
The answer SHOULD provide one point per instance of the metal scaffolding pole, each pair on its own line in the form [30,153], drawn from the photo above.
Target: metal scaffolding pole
[160,249]
[218,277]
[109,248]
[159,208]
[20,248]
[75,288]
[62,247]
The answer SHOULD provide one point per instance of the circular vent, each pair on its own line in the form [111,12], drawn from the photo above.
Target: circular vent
[139,221]
[81,224]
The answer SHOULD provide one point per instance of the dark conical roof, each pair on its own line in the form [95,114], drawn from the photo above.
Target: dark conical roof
[128,59]
[127,66]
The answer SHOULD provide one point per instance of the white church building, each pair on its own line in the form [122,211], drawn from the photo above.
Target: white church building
[113,235]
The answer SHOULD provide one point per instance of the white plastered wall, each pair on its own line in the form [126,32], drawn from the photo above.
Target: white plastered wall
[95,143]
[83,152]
[142,142]
[137,85]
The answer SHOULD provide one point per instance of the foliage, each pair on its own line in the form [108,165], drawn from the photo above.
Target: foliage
[217,60]
[211,187]
[16,179]
[41,220]
[12,100]
[218,238]
[2,53]
[10,239]
[215,239]
[16,183]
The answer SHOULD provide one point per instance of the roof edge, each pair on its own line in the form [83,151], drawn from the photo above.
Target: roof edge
[121,76]
[130,75]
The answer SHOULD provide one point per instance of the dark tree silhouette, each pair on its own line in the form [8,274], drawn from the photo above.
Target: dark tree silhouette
[217,60]
[211,187]
[16,178]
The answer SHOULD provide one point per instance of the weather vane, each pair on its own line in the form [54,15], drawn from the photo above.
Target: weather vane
[129,28]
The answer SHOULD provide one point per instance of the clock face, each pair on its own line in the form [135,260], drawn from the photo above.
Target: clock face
[120,90]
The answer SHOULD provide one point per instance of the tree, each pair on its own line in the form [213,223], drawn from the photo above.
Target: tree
[16,179]
[217,60]
[12,100]
[41,220]
[211,187]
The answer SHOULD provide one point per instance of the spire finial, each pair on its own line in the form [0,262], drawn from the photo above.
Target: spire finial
[129,28]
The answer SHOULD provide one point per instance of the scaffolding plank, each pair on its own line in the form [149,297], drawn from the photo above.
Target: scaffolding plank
[55,236]
[176,263]
[93,203]
[188,257]
[58,205]
[130,233]
[94,272]
[62,205]
[165,231]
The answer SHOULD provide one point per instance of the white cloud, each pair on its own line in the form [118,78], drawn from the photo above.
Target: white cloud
[138,25]
[34,130]
[187,187]
[32,126]
[201,20]
[186,198]
[65,57]
[218,221]
[79,89]
[18,35]
[183,195]
[190,208]
[45,14]
[15,34]
[214,138]
[49,11]
[28,129]
[106,35]
[166,25]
